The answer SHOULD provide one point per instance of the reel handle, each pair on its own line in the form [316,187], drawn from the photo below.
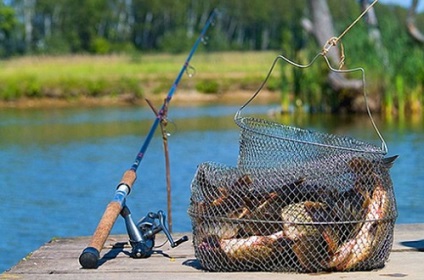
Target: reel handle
[90,256]
[162,227]
[181,240]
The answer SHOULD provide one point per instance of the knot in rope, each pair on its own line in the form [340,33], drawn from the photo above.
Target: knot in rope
[332,42]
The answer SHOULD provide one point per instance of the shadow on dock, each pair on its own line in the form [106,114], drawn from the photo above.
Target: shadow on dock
[417,244]
[119,247]
[116,249]
[193,263]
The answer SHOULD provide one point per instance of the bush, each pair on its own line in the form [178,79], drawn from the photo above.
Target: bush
[17,87]
[176,41]
[207,86]
[100,46]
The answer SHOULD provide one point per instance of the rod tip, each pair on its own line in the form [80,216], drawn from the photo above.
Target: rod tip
[89,257]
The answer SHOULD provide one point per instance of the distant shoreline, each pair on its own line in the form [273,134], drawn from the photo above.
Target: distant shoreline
[182,98]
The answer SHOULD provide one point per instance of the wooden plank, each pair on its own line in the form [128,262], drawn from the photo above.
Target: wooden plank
[58,259]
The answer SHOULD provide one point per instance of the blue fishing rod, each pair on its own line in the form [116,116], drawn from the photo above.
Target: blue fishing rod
[142,235]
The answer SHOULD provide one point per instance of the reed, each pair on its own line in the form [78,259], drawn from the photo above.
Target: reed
[400,90]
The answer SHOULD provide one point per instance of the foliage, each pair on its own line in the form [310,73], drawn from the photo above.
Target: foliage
[100,46]
[208,86]
[135,27]
[164,25]
[395,68]
[8,23]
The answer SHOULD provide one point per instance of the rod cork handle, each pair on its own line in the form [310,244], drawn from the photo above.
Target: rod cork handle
[128,178]
[90,256]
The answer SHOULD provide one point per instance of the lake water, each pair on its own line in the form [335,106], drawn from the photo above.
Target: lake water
[59,167]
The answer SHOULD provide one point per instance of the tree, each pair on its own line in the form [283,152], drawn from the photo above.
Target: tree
[7,25]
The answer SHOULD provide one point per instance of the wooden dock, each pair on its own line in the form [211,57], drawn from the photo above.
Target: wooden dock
[58,259]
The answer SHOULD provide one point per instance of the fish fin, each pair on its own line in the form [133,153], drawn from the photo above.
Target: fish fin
[388,162]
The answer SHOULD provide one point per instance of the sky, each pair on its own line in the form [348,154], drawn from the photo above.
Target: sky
[404,3]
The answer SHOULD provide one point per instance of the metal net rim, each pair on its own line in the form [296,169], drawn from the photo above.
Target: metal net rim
[361,146]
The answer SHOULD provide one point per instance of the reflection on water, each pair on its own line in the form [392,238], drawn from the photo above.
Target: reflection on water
[59,167]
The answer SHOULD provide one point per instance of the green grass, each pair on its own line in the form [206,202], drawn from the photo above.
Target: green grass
[73,76]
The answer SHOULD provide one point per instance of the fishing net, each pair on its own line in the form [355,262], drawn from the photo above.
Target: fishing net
[297,201]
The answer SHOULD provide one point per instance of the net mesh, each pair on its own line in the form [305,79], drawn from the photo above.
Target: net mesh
[297,201]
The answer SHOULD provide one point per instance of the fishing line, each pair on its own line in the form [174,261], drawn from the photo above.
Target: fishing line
[334,40]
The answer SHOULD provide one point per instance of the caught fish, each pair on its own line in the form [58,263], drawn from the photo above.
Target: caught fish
[219,228]
[361,246]
[219,200]
[310,225]
[369,202]
[262,204]
[297,220]
[257,252]
[315,239]
[253,248]
[311,252]
[367,171]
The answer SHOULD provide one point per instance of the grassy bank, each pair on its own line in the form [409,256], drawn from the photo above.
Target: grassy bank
[91,80]
[130,77]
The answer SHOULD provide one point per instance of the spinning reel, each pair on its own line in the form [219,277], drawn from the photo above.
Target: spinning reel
[142,235]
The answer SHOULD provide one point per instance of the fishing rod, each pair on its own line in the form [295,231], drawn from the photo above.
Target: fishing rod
[90,256]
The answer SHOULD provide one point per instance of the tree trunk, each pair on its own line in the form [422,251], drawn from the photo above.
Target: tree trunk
[371,20]
[28,9]
[410,23]
[323,30]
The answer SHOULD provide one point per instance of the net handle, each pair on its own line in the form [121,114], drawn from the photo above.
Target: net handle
[302,66]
